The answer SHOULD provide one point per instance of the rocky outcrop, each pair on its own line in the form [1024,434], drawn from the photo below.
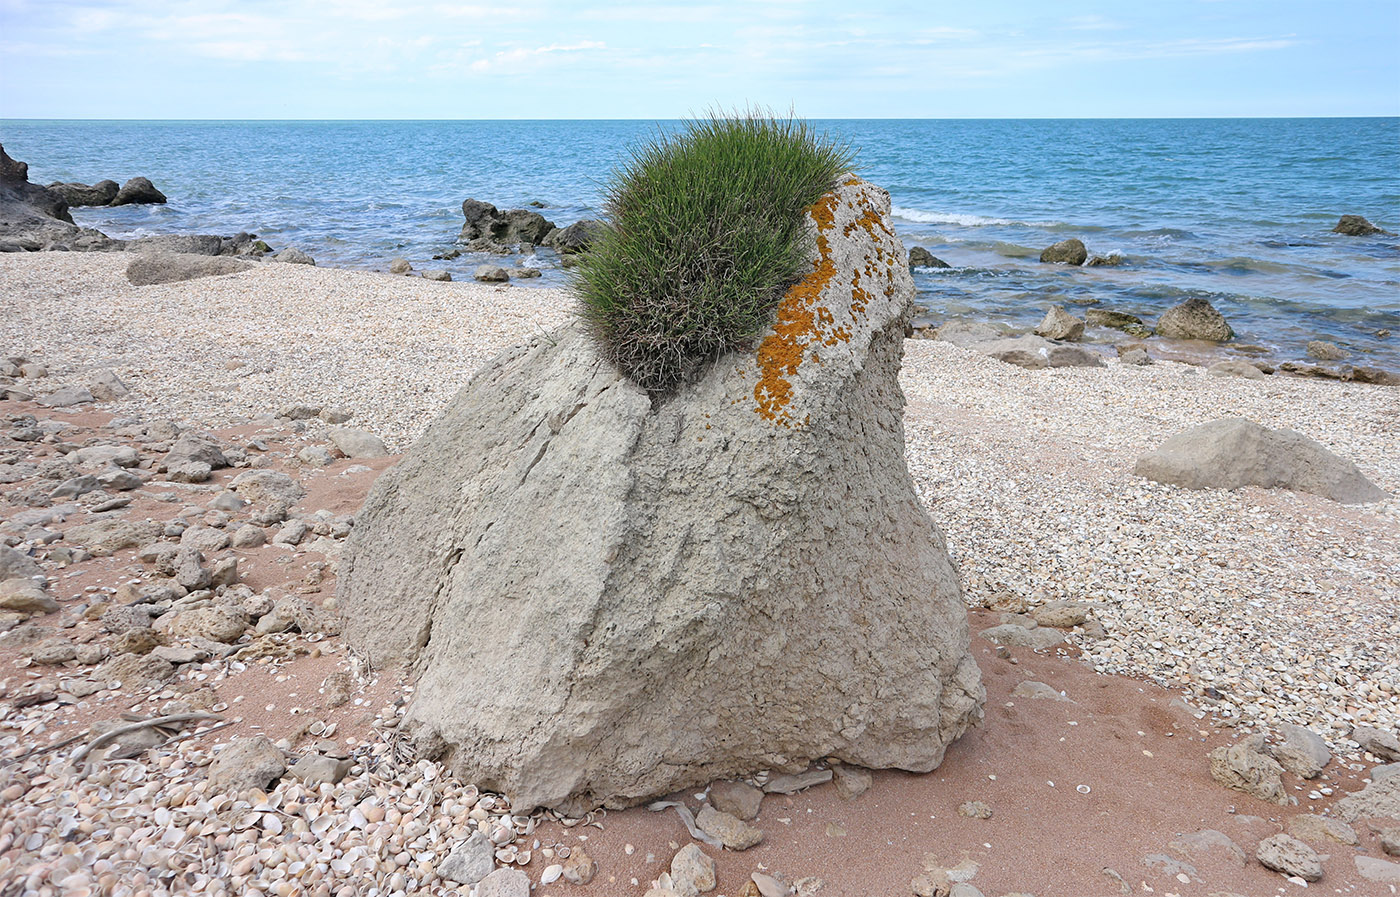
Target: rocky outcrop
[575,238]
[1060,324]
[1357,226]
[1194,319]
[136,191]
[1065,252]
[1234,452]
[99,194]
[33,217]
[919,257]
[606,597]
[487,229]
[1130,324]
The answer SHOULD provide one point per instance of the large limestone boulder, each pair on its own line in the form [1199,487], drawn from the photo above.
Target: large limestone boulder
[606,596]
[1234,452]
[1194,319]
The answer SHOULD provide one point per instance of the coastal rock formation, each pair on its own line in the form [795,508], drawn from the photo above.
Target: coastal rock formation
[99,194]
[607,596]
[35,218]
[138,190]
[487,229]
[1060,324]
[1357,226]
[575,238]
[1065,252]
[1234,452]
[1194,319]
[1130,324]
[919,257]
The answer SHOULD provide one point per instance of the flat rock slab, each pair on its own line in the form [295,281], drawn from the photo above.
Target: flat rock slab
[172,267]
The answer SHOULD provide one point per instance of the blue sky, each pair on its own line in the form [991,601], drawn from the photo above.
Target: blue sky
[659,60]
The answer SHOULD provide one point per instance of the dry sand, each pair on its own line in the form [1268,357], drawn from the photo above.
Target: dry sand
[1257,606]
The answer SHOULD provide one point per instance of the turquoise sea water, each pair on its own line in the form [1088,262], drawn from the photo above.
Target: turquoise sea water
[1237,211]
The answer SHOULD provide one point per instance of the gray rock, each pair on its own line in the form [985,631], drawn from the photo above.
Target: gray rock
[400,266]
[1381,871]
[968,333]
[172,267]
[120,480]
[138,190]
[205,538]
[299,412]
[490,274]
[577,237]
[470,861]
[23,595]
[1301,752]
[1038,691]
[198,448]
[225,572]
[738,799]
[1112,260]
[249,536]
[180,244]
[1357,226]
[53,651]
[522,273]
[188,472]
[919,257]
[628,618]
[1309,827]
[291,533]
[1233,452]
[14,565]
[1118,320]
[1390,841]
[791,783]
[693,869]
[1194,319]
[1325,351]
[357,443]
[1207,844]
[316,769]
[505,882]
[1234,368]
[108,536]
[487,228]
[225,625]
[1016,636]
[104,455]
[1029,351]
[1065,252]
[1060,324]
[1286,854]
[246,763]
[851,781]
[1245,767]
[106,386]
[66,397]
[293,256]
[975,809]
[439,276]
[1061,614]
[99,194]
[1383,744]
[1073,357]
[136,672]
[72,488]
[1376,799]
[189,569]
[734,833]
[123,619]
[267,486]
[1385,771]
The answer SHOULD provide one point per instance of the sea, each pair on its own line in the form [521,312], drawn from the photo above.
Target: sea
[1235,211]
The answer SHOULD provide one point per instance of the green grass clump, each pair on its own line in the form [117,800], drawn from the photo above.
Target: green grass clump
[707,233]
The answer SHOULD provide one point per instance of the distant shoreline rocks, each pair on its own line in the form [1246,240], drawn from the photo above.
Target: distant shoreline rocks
[136,191]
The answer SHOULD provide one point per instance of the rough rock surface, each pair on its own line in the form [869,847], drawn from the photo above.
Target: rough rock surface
[138,190]
[1286,854]
[919,257]
[1381,743]
[575,238]
[1233,452]
[1194,319]
[246,763]
[172,267]
[1357,226]
[489,229]
[99,194]
[756,583]
[1245,767]
[1065,252]
[1378,799]
[1060,324]
[1301,751]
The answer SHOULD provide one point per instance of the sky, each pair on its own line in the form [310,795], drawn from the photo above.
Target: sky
[421,59]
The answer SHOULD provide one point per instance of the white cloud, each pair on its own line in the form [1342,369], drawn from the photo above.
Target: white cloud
[515,59]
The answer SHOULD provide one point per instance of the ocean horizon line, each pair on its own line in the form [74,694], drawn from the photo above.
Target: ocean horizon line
[1081,118]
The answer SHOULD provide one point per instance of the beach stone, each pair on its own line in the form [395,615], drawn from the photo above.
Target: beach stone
[110,535]
[173,267]
[1245,767]
[53,651]
[246,763]
[523,273]
[1014,635]
[1301,752]
[400,266]
[1134,355]
[357,443]
[851,781]
[791,783]
[317,769]
[1390,841]
[267,486]
[1102,317]
[104,455]
[291,533]
[439,276]
[504,883]
[1038,691]
[1072,357]
[470,861]
[224,573]
[968,333]
[692,869]
[217,624]
[919,257]
[1286,854]
[1235,368]
[1065,252]
[137,190]
[1060,324]
[136,672]
[25,596]
[1385,771]
[249,536]
[1029,351]
[575,238]
[1061,614]
[1105,261]
[974,809]
[299,412]
[1383,744]
[1309,827]
[1194,319]
[933,883]
[1376,799]
[99,194]
[1208,844]
[16,565]
[1357,226]
[126,618]
[733,832]
[205,538]
[66,397]
[490,274]
[188,568]
[106,386]
[489,229]
[196,448]
[1234,452]
[74,487]
[294,256]
[579,868]
[1325,351]
[623,620]
[180,244]
[1376,870]
[738,799]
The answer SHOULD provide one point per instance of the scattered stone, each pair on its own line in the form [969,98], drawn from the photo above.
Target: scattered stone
[217,624]
[919,257]
[791,783]
[470,861]
[1390,841]
[738,799]
[175,267]
[523,273]
[178,655]
[488,229]
[14,565]
[400,266]
[136,672]
[294,256]
[1113,260]
[1206,843]
[106,537]
[1325,351]
[579,868]
[490,274]
[733,832]
[225,572]
[1194,319]
[851,781]
[200,448]
[267,486]
[1286,854]
[1014,635]
[1309,827]
[933,883]
[439,276]
[206,539]
[968,333]
[1061,614]
[1357,226]
[1235,368]
[106,386]
[575,238]
[505,882]
[1132,324]
[1376,799]
[691,868]
[974,809]
[138,190]
[53,651]
[1065,252]
[316,769]
[357,443]
[248,536]
[66,397]
[1376,870]
[291,533]
[299,412]
[1245,767]
[25,596]
[188,472]
[1038,691]
[189,569]
[99,194]
[1060,324]
[1382,744]
[1302,751]
[120,620]
[244,764]
[1234,452]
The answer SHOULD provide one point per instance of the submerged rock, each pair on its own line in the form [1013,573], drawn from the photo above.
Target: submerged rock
[1357,226]
[755,583]
[919,257]
[138,190]
[1060,324]
[490,230]
[1065,252]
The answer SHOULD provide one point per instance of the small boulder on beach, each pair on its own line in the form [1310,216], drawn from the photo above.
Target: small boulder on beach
[575,238]
[1325,351]
[1129,324]
[1065,252]
[1060,324]
[1194,319]
[292,255]
[491,274]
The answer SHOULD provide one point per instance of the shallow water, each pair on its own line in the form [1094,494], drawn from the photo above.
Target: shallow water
[1236,211]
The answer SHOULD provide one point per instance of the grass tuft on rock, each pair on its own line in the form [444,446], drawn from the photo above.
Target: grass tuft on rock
[707,231]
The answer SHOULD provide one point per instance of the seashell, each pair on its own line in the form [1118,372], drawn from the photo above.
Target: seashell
[502,835]
[271,824]
[551,874]
[357,819]
[564,852]
[506,854]
[329,730]
[321,824]
[316,728]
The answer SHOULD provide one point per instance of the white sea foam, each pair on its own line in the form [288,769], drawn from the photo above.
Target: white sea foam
[922,217]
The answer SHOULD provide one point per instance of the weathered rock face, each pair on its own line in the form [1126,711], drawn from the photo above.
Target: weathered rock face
[1234,452]
[137,190]
[491,230]
[1194,319]
[607,597]
[575,238]
[1065,252]
[1357,226]
[99,194]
